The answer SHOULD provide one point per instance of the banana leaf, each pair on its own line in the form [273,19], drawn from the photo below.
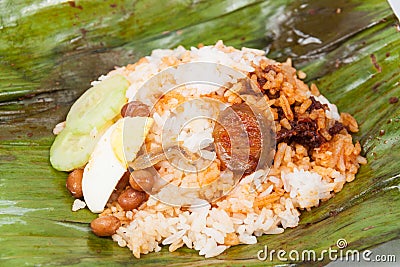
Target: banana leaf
[51,50]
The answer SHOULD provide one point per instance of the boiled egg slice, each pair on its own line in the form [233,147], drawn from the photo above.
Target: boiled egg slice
[108,162]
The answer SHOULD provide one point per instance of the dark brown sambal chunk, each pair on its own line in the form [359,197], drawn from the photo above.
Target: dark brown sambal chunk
[304,132]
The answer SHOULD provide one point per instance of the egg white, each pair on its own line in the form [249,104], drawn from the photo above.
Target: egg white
[108,162]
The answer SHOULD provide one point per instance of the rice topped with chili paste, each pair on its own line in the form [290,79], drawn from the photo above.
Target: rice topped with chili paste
[207,165]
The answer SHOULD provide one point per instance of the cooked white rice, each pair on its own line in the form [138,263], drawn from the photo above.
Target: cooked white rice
[294,183]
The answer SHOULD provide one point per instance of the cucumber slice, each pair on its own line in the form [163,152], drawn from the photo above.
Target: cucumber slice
[72,150]
[98,105]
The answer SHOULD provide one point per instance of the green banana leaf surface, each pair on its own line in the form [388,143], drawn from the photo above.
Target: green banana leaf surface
[50,51]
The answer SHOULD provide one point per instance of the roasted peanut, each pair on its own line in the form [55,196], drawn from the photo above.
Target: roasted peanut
[74,183]
[135,109]
[131,199]
[105,226]
[122,183]
[141,180]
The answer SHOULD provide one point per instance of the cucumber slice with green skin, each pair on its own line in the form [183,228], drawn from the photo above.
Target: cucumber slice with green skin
[95,109]
[71,150]
[98,105]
